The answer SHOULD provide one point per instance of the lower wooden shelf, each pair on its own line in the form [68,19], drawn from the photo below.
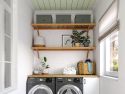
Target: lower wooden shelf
[62,75]
[63,48]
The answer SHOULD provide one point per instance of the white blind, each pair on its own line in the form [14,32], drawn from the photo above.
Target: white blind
[109,19]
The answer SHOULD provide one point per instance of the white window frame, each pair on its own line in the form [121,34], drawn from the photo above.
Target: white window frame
[4,6]
[110,30]
[106,73]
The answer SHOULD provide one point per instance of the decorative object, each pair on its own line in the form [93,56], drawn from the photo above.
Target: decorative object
[44,65]
[38,69]
[77,44]
[69,70]
[90,67]
[39,41]
[46,71]
[79,37]
[36,65]
[66,41]
[35,71]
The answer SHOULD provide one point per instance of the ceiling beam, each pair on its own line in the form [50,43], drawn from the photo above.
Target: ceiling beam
[55,4]
[71,4]
[93,4]
[66,4]
[87,5]
[44,4]
[83,4]
[49,4]
[38,4]
[34,5]
[60,4]
[77,4]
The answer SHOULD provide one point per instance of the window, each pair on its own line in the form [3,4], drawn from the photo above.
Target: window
[108,37]
[7,62]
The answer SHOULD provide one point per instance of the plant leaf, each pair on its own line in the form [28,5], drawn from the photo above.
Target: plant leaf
[45,59]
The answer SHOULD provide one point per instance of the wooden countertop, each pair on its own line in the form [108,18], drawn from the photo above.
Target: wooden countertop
[63,75]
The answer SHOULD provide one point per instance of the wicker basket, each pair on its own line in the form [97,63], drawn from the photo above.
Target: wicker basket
[83,68]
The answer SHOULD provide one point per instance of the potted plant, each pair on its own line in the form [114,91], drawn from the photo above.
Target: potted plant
[78,38]
[45,67]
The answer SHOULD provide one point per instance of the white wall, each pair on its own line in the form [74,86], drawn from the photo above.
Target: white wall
[122,47]
[24,44]
[58,60]
[108,85]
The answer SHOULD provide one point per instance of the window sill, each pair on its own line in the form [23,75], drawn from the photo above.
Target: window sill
[110,77]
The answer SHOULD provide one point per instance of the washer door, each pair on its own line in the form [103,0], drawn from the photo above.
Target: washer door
[40,89]
[69,89]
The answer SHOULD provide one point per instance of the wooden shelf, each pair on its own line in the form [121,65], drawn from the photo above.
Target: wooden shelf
[63,48]
[87,26]
[63,75]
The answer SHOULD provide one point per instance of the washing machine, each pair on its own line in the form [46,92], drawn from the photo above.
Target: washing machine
[40,85]
[72,85]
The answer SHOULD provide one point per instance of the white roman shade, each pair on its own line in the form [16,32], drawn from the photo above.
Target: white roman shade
[109,20]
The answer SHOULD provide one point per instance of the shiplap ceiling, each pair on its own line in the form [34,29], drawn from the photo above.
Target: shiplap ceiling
[63,4]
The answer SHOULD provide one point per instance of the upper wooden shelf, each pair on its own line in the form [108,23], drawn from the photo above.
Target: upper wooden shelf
[63,48]
[84,26]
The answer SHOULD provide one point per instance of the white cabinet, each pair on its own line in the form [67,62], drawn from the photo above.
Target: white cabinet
[91,85]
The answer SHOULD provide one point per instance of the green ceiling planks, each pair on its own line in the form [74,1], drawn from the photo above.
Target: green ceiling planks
[63,4]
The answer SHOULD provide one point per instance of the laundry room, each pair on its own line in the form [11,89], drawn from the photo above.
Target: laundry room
[62,46]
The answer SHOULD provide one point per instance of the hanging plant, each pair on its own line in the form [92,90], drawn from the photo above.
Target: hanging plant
[43,61]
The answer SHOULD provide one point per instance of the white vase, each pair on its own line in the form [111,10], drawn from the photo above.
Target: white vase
[36,71]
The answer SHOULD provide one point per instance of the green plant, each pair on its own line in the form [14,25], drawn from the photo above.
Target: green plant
[115,65]
[43,61]
[79,37]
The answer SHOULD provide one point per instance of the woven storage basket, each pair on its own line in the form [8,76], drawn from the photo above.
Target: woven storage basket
[83,68]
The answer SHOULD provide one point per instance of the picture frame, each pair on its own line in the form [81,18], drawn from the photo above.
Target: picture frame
[66,41]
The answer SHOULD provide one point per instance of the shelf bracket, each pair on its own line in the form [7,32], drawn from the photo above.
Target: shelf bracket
[38,54]
[38,31]
[88,31]
[38,35]
[87,55]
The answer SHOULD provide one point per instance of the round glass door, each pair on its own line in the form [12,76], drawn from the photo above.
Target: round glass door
[69,89]
[40,89]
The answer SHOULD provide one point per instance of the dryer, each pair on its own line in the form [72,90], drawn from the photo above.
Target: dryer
[69,85]
[40,85]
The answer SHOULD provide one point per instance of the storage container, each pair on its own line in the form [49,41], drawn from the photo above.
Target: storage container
[83,68]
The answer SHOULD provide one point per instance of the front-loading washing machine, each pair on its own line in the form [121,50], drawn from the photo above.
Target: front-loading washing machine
[73,85]
[40,85]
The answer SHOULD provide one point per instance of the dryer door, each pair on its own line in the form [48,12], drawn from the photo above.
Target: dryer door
[40,89]
[69,89]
